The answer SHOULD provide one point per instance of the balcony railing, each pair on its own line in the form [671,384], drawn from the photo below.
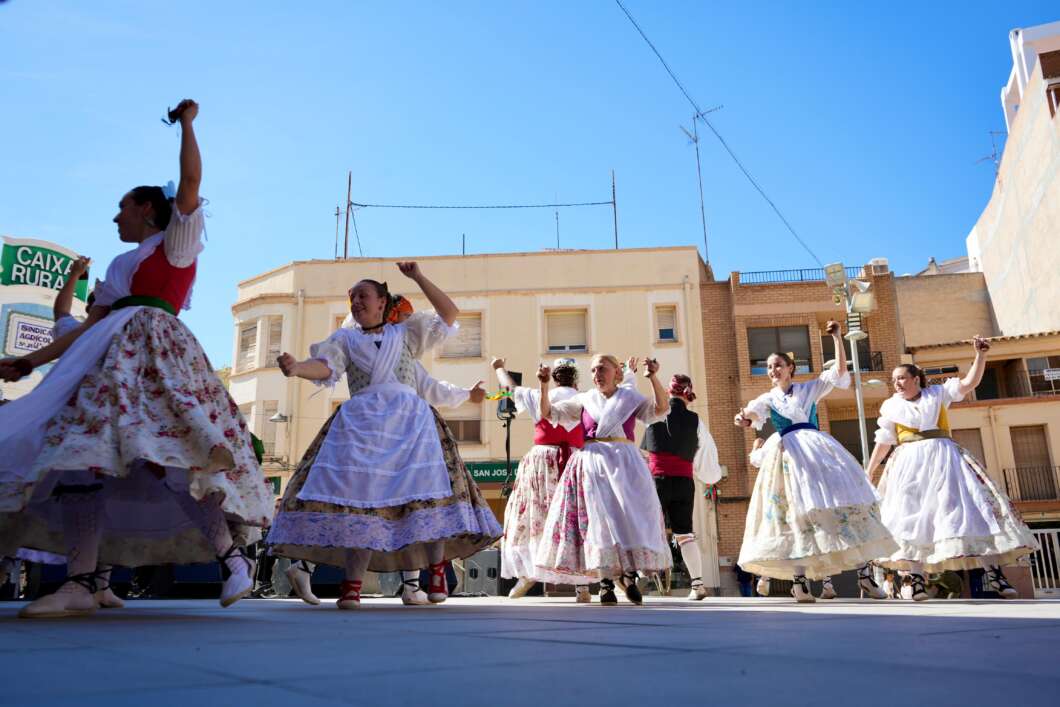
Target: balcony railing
[1033,483]
[772,277]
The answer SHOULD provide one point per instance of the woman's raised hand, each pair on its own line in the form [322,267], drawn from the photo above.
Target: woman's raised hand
[980,344]
[496,363]
[79,267]
[631,364]
[544,373]
[287,364]
[185,112]
[741,420]
[832,328]
[477,392]
[410,269]
[651,367]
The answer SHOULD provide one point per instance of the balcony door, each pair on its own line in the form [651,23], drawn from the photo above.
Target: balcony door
[1035,475]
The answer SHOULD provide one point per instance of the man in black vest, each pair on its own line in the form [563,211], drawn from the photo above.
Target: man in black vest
[680,448]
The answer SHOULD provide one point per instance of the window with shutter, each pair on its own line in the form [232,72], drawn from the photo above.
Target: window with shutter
[275,336]
[248,346]
[666,323]
[268,429]
[467,342]
[972,440]
[466,423]
[763,341]
[566,331]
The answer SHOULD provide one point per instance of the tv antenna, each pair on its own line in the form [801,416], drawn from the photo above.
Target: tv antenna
[693,139]
[994,155]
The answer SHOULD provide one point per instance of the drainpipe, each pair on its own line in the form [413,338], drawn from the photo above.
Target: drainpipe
[294,385]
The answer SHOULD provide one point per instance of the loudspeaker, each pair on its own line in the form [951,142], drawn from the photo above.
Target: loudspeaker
[482,574]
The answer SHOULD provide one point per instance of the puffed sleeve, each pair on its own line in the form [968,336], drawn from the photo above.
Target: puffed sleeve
[830,378]
[759,409]
[64,325]
[705,464]
[951,391]
[886,432]
[567,412]
[334,353]
[439,393]
[527,400]
[425,330]
[183,239]
[646,410]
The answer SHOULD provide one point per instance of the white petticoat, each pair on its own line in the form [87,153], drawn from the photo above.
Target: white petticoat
[946,513]
[527,510]
[604,520]
[813,508]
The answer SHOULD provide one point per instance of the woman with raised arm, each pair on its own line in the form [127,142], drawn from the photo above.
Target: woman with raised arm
[538,475]
[942,507]
[437,394]
[812,513]
[605,522]
[374,490]
[130,451]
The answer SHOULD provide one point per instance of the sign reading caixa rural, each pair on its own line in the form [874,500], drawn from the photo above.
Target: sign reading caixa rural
[38,264]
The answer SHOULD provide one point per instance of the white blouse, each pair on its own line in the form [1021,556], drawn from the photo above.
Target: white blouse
[182,240]
[920,414]
[797,406]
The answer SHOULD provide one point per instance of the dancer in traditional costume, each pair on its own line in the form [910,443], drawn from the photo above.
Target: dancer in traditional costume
[942,507]
[437,394]
[679,448]
[605,522]
[131,451]
[538,475]
[813,512]
[382,486]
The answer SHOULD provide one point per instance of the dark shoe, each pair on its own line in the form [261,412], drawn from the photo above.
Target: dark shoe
[628,582]
[607,592]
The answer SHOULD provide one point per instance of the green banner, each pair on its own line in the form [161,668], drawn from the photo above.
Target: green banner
[38,264]
[493,471]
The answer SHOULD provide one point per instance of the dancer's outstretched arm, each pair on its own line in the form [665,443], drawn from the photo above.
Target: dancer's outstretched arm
[503,377]
[13,369]
[659,395]
[443,306]
[65,299]
[190,159]
[975,374]
[312,369]
[833,327]
[544,375]
[879,452]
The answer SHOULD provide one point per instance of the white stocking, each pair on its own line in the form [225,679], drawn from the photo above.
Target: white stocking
[690,554]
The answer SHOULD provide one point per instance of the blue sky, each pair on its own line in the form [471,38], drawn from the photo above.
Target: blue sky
[862,122]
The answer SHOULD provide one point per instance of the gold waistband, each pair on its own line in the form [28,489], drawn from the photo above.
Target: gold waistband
[608,439]
[920,436]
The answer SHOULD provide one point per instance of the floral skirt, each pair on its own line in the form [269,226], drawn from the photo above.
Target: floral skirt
[604,520]
[946,513]
[398,536]
[822,519]
[152,420]
[527,510]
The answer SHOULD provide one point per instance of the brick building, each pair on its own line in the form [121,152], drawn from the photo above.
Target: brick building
[752,314]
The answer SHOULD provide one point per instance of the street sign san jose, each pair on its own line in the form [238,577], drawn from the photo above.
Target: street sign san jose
[25,261]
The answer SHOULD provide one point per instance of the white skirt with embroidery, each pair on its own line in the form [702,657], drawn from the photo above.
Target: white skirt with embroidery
[604,520]
[812,508]
[946,513]
[527,510]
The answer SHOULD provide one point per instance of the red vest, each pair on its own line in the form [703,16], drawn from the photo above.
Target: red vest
[545,433]
[156,277]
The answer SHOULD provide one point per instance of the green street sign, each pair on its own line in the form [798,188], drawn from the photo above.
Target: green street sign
[38,264]
[493,471]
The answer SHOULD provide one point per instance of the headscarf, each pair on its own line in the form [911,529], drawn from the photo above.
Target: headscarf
[399,305]
[681,386]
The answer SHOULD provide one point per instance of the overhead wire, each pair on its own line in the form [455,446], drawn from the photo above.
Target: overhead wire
[700,114]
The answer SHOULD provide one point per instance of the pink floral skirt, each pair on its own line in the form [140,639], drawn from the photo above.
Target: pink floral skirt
[150,421]
[527,510]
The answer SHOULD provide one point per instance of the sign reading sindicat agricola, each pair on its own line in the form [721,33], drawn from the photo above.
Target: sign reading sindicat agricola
[25,261]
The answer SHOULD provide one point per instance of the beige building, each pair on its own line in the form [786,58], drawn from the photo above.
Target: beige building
[526,307]
[1014,242]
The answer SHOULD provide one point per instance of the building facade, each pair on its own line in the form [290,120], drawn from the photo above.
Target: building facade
[753,314]
[526,307]
[1013,243]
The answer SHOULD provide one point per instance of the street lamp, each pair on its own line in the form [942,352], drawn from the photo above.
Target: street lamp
[857,299]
